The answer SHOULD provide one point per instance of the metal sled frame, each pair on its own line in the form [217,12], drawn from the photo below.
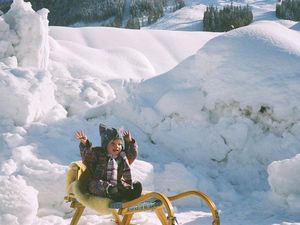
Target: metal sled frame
[123,212]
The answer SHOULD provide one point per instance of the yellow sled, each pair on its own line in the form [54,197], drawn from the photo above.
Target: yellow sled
[123,212]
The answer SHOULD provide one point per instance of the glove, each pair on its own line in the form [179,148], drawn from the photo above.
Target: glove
[131,193]
[114,193]
[137,190]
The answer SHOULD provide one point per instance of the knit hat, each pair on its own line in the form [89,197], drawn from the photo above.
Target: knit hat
[108,134]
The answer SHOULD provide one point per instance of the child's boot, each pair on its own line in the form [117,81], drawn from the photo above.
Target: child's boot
[135,192]
[114,194]
[137,189]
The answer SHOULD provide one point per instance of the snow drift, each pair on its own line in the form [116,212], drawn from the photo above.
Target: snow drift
[230,108]
[28,34]
[25,82]
[220,114]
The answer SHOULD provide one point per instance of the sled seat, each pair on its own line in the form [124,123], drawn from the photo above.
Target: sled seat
[146,205]
[80,198]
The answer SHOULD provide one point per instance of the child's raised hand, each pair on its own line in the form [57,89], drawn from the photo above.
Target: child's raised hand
[127,136]
[81,136]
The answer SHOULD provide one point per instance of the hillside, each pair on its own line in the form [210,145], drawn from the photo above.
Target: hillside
[217,112]
[111,13]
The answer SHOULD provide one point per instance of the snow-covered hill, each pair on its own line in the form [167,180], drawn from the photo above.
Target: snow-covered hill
[218,112]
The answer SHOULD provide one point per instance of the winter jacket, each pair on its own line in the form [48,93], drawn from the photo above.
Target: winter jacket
[96,159]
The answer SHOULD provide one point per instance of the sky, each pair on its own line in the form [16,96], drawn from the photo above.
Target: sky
[216,112]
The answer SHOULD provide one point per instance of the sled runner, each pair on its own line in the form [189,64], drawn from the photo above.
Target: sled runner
[123,212]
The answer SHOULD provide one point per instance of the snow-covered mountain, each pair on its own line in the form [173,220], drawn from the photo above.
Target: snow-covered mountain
[218,112]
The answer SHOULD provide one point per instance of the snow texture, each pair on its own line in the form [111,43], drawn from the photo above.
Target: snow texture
[217,112]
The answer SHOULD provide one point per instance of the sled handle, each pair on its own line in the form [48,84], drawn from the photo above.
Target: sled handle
[203,196]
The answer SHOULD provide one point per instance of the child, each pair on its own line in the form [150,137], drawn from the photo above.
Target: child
[110,164]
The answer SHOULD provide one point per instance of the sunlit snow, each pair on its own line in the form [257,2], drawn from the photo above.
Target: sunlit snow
[217,112]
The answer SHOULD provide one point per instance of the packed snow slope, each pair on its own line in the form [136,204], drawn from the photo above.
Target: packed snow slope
[214,112]
[172,48]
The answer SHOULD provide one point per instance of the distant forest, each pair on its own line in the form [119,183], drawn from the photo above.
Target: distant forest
[227,18]
[289,10]
[108,12]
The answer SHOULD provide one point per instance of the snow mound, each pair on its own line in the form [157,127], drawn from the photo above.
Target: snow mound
[215,122]
[19,203]
[28,34]
[34,176]
[171,47]
[284,180]
[228,74]
[106,64]
[169,184]
[32,97]
[229,105]
[24,54]
[234,66]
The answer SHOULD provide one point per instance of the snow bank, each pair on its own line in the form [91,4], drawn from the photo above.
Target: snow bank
[87,77]
[28,34]
[228,76]
[167,183]
[166,50]
[92,66]
[48,178]
[143,172]
[29,92]
[30,185]
[19,203]
[284,180]
[225,113]
[233,72]
[29,96]
[215,122]
[229,111]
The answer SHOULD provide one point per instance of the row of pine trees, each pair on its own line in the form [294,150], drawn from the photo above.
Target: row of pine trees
[289,10]
[145,12]
[228,18]
[231,17]
[109,12]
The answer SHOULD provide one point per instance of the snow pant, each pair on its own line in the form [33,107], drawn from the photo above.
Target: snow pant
[117,193]
[99,188]
[124,194]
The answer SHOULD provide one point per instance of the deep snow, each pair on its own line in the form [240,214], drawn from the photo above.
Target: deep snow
[218,112]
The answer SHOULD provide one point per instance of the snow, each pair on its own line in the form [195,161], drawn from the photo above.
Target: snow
[171,47]
[217,112]
[31,44]
[284,181]
[185,19]
[16,194]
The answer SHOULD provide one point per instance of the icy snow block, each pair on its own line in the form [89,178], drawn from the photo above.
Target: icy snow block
[31,46]
[285,181]
[28,95]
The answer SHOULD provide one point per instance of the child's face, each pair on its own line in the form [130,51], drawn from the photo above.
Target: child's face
[114,147]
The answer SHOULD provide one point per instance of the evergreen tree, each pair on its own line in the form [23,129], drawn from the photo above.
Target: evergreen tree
[133,23]
[151,9]
[228,18]
[288,9]
[68,12]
